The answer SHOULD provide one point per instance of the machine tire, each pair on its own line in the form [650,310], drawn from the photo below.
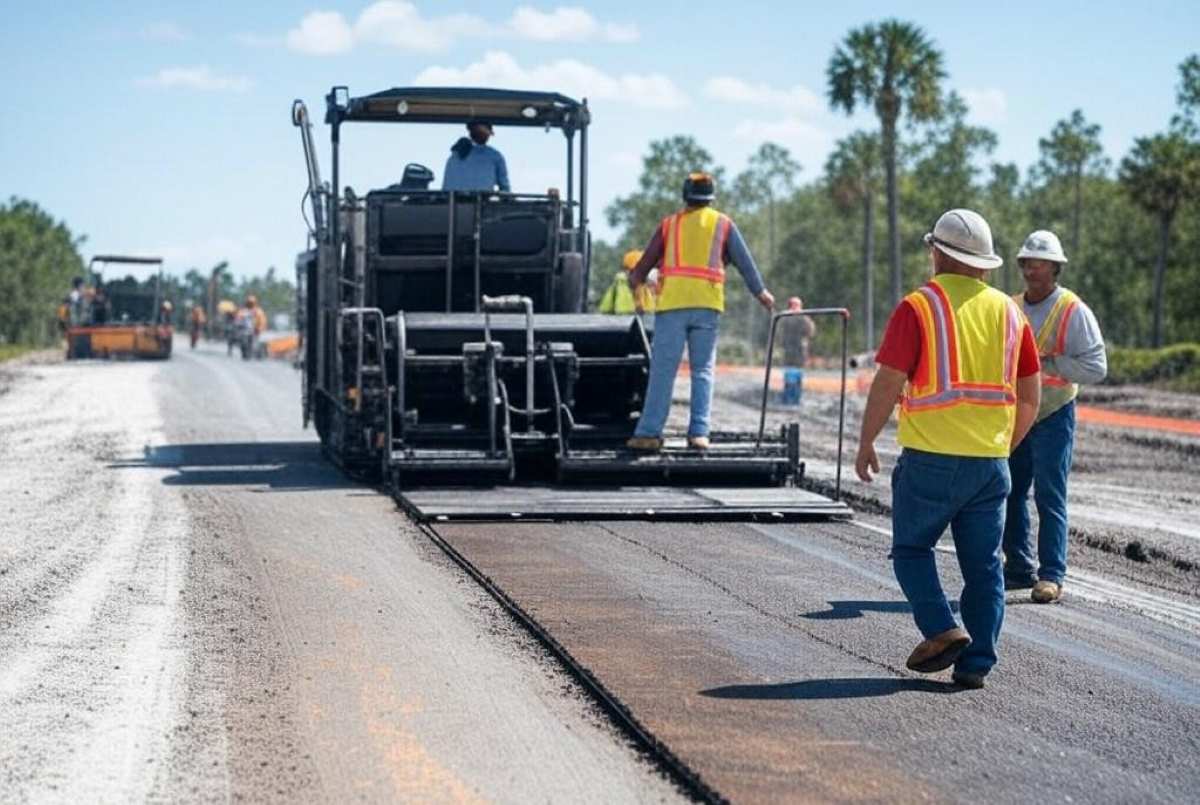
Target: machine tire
[568,285]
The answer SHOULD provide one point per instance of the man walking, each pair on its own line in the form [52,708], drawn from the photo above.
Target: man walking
[960,359]
[1072,352]
[691,247]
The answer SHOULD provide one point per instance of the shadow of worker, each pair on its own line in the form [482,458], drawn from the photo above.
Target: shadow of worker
[844,610]
[837,688]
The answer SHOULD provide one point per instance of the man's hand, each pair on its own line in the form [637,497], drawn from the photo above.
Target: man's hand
[866,462]
[766,299]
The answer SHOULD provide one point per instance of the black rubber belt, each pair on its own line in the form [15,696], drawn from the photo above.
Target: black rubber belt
[684,775]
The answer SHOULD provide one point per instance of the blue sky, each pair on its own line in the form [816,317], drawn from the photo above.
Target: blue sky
[163,127]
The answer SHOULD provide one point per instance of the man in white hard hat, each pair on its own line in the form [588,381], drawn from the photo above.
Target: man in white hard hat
[1072,352]
[961,360]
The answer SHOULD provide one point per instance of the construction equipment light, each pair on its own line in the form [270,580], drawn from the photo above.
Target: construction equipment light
[529,113]
[402,108]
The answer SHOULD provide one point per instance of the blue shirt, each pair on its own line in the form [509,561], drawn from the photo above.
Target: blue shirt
[483,169]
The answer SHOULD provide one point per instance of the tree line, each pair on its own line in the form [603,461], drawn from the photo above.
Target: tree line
[40,256]
[1130,227]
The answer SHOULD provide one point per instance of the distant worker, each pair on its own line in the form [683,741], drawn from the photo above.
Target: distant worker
[166,312]
[798,332]
[196,321]
[257,317]
[1072,352]
[619,297]
[691,248]
[98,305]
[75,303]
[475,165]
[961,360]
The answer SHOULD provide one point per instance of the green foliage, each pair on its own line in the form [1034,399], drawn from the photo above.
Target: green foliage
[659,188]
[1176,367]
[10,351]
[38,258]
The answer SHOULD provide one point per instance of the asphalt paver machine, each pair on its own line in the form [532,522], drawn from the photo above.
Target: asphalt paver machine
[122,319]
[444,334]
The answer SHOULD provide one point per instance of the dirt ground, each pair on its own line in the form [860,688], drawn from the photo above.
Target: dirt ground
[1134,496]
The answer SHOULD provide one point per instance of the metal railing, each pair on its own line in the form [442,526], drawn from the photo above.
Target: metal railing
[844,313]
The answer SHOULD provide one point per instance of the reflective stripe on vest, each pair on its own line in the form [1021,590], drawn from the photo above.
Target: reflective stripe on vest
[1052,341]
[693,265]
[961,400]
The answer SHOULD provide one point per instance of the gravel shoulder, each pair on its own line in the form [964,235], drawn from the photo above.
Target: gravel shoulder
[194,605]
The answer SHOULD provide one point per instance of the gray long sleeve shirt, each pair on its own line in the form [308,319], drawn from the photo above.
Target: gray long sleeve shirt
[1084,359]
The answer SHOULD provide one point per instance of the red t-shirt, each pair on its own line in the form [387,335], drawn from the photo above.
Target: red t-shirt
[901,347]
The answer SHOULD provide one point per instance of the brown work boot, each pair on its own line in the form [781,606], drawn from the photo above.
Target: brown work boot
[646,444]
[939,652]
[1046,592]
[698,442]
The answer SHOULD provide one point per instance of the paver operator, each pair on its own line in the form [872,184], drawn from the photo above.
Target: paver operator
[691,248]
[1072,352]
[961,360]
[475,165]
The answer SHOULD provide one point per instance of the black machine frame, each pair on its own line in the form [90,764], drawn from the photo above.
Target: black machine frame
[467,385]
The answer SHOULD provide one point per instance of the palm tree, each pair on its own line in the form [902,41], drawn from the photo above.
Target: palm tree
[1072,149]
[1160,173]
[897,69]
[852,171]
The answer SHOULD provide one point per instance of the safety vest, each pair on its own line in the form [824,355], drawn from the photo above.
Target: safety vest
[961,400]
[1052,342]
[693,264]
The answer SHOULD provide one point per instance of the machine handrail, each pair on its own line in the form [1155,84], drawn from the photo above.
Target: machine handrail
[762,417]
[515,303]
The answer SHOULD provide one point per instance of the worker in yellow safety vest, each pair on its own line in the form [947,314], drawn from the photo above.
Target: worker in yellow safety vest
[960,359]
[1072,352]
[691,248]
[619,298]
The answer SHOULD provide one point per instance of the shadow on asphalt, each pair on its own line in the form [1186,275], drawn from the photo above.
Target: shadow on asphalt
[842,688]
[842,610]
[279,466]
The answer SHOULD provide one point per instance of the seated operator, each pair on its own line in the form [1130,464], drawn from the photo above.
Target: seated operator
[475,165]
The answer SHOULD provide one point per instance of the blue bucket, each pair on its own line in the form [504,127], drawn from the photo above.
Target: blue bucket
[793,386]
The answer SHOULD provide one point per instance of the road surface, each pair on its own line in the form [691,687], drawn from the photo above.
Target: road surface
[194,605]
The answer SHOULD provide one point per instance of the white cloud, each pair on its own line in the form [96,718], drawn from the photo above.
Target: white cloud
[165,32]
[735,90]
[321,33]
[799,136]
[198,78]
[499,69]
[987,105]
[567,24]
[400,24]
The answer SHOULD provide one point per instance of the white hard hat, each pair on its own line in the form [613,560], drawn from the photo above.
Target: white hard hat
[965,236]
[1042,245]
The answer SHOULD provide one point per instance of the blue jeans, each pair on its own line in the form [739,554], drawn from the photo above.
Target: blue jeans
[1043,460]
[930,492]
[697,329]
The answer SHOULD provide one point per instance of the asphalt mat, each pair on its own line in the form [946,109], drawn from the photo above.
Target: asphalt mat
[769,658]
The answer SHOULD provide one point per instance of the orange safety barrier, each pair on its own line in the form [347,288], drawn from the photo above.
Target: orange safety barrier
[283,345]
[859,382]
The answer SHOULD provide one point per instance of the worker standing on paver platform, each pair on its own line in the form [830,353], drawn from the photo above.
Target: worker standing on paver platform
[1072,352]
[961,359]
[691,247]
[619,297]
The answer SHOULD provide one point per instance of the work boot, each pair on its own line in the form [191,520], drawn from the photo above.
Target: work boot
[966,679]
[646,444]
[698,442]
[938,652]
[1046,592]
[1025,582]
